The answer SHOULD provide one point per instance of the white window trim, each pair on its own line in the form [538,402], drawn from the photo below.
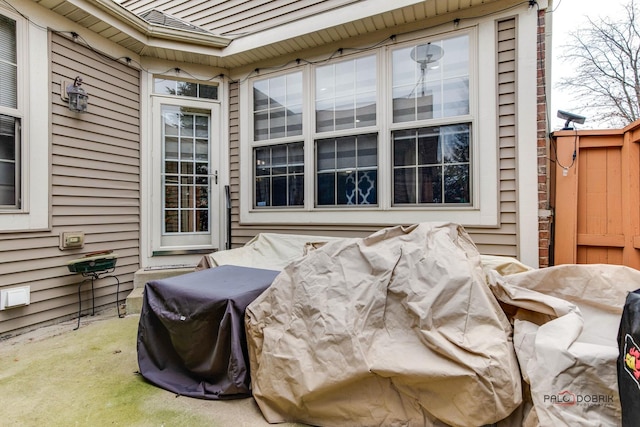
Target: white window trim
[485,181]
[33,81]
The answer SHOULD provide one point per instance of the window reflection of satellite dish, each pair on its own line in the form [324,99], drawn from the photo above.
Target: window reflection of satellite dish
[425,54]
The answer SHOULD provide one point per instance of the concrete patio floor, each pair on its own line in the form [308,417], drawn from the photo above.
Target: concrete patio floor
[55,376]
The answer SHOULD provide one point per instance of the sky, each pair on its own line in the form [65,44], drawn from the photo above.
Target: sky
[568,15]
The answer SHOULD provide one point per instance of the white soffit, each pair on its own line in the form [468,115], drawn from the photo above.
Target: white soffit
[294,32]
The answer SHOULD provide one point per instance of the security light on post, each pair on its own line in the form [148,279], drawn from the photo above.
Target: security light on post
[570,117]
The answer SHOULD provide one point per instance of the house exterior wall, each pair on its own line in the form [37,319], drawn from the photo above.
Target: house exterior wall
[502,239]
[99,164]
[95,176]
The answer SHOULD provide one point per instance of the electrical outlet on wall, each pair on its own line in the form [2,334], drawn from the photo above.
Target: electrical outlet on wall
[71,240]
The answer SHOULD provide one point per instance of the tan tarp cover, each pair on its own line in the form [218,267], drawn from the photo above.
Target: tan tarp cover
[398,328]
[272,251]
[566,321]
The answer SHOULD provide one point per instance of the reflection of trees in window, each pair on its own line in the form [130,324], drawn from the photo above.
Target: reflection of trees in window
[431,165]
[186,169]
[184,88]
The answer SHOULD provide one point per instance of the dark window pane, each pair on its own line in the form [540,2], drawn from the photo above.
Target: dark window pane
[187,89]
[208,91]
[7,184]
[202,196]
[326,189]
[456,179]
[171,196]
[404,148]
[430,185]
[346,188]
[276,184]
[429,152]
[186,222]
[279,191]
[187,197]
[186,167]
[171,221]
[171,167]
[263,192]
[367,188]
[279,160]
[296,158]
[296,190]
[202,168]
[202,220]
[404,185]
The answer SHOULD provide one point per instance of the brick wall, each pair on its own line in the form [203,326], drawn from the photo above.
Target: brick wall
[544,217]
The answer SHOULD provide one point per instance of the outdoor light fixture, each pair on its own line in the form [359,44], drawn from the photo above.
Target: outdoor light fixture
[77,96]
[570,117]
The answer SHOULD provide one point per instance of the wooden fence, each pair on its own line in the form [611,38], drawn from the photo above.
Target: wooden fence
[597,196]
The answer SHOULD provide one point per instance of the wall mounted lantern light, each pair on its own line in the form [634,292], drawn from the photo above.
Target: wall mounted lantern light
[77,96]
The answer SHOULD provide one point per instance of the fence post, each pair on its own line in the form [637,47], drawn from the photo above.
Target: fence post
[631,195]
[566,203]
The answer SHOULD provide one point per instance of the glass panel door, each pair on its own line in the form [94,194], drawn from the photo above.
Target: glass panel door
[188,175]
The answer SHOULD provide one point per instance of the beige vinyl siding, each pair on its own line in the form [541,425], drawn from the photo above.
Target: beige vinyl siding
[501,240]
[95,174]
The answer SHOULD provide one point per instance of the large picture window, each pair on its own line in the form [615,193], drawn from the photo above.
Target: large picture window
[392,129]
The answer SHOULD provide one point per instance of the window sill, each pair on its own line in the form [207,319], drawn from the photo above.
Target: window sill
[468,216]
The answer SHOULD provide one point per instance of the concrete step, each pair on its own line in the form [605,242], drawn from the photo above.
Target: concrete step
[141,277]
[134,301]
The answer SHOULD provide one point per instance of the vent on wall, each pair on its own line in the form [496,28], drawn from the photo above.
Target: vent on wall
[14,297]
